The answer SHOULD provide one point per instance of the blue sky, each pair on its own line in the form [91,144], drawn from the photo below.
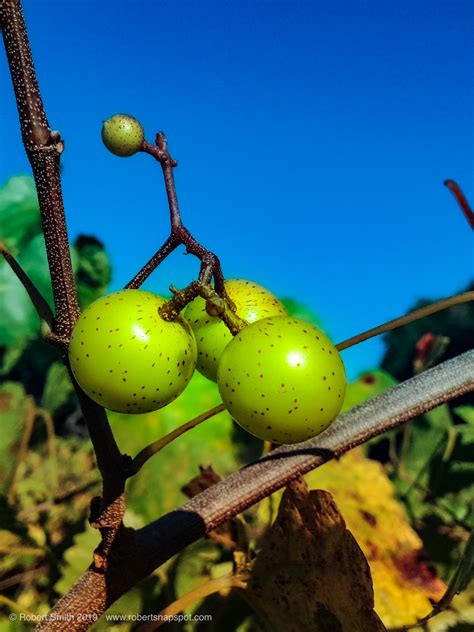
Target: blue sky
[312,138]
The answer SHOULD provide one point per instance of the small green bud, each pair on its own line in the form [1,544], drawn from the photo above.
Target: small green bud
[122,135]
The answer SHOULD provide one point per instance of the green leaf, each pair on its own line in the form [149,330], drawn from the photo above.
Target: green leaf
[369,384]
[19,212]
[9,356]
[466,413]
[93,269]
[19,318]
[300,310]
[58,390]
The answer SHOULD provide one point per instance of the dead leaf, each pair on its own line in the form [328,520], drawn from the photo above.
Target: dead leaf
[311,574]
[404,582]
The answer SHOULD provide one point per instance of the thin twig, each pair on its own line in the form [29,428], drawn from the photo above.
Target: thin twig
[145,454]
[180,235]
[51,444]
[461,200]
[20,578]
[404,320]
[39,302]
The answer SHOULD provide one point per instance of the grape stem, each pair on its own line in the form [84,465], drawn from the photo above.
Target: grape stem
[180,235]
[150,450]
[404,320]
[221,307]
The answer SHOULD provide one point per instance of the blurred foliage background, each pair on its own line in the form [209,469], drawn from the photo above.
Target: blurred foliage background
[406,497]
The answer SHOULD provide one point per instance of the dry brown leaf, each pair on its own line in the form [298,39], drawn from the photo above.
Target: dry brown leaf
[404,581]
[311,574]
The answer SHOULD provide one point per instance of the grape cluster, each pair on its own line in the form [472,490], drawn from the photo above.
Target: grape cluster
[280,378]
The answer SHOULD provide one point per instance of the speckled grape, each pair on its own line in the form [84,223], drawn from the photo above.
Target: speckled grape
[122,135]
[126,357]
[252,302]
[282,380]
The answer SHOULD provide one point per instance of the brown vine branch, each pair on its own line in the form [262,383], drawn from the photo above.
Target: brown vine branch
[43,148]
[157,542]
[461,200]
[180,235]
[404,320]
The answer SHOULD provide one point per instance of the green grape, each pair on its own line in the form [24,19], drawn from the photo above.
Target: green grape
[252,302]
[282,380]
[126,357]
[122,135]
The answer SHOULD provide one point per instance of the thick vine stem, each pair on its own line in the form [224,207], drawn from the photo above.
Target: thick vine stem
[157,542]
[43,148]
[180,235]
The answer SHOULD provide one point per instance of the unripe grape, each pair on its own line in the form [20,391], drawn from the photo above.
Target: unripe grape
[126,357]
[252,302]
[122,135]
[282,379]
